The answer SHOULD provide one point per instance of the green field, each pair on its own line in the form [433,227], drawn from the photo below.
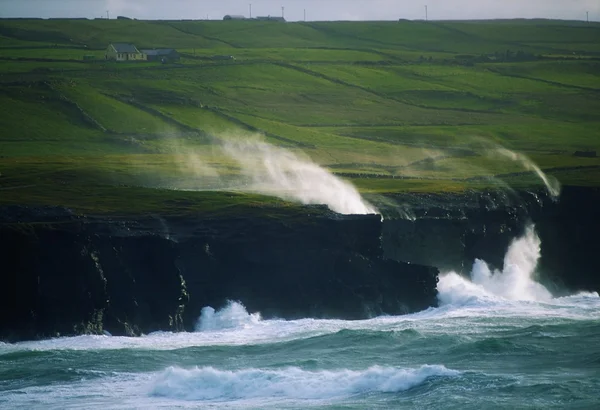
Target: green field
[392,106]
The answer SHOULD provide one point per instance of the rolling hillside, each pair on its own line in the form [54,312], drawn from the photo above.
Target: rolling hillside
[393,106]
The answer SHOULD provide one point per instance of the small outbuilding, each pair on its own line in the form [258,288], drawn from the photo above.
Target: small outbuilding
[271,18]
[164,55]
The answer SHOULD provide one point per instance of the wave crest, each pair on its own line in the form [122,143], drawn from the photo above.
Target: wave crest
[514,282]
[208,383]
[232,316]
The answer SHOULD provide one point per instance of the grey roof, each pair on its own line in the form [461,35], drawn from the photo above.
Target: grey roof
[159,52]
[271,18]
[125,48]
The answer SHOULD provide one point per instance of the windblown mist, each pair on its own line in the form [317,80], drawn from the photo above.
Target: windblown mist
[247,163]
[279,172]
[501,166]
[266,169]
[551,183]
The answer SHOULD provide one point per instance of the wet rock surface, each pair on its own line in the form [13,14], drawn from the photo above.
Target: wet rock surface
[66,274]
[450,231]
[134,276]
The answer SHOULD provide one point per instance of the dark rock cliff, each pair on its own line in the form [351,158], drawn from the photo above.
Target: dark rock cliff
[450,231]
[66,274]
[72,275]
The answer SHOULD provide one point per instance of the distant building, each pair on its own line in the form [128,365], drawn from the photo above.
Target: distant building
[271,18]
[585,154]
[234,17]
[124,52]
[164,55]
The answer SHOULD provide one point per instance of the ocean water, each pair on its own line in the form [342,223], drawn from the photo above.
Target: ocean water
[497,340]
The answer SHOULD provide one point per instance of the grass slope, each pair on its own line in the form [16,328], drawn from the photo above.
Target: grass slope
[393,106]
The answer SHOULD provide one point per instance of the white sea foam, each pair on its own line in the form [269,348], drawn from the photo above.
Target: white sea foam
[234,315]
[471,302]
[507,294]
[516,282]
[214,388]
[209,384]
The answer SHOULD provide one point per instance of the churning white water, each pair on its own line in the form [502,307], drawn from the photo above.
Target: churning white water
[515,282]
[208,383]
[495,333]
[233,316]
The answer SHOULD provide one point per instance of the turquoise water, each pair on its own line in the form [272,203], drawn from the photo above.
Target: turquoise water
[499,340]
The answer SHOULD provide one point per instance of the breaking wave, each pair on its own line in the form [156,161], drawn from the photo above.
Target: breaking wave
[234,315]
[516,281]
[207,383]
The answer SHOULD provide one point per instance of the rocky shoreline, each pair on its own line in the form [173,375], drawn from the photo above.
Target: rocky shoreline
[66,274]
[135,276]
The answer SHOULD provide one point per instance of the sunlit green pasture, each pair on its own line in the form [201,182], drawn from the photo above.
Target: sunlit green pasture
[393,106]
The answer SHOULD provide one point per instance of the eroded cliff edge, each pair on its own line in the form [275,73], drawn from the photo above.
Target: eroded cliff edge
[64,274]
[70,275]
[450,231]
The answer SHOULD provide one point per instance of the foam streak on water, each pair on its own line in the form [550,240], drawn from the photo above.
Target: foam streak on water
[213,384]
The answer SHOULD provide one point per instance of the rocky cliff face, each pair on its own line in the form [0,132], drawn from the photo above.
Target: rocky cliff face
[450,231]
[128,277]
[66,275]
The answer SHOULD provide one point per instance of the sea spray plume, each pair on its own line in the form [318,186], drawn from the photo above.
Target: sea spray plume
[551,183]
[234,315]
[479,145]
[278,172]
[261,168]
[514,282]
[193,160]
[194,163]
[390,208]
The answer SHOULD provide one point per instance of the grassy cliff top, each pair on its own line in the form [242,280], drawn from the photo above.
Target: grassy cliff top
[391,106]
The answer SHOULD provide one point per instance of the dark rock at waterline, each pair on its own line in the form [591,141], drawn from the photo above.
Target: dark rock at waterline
[570,235]
[127,277]
[67,274]
[449,231]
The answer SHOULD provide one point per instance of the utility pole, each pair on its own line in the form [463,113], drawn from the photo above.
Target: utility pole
[587,16]
[282,12]
[107,16]
[250,10]
[426,16]
[305,15]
